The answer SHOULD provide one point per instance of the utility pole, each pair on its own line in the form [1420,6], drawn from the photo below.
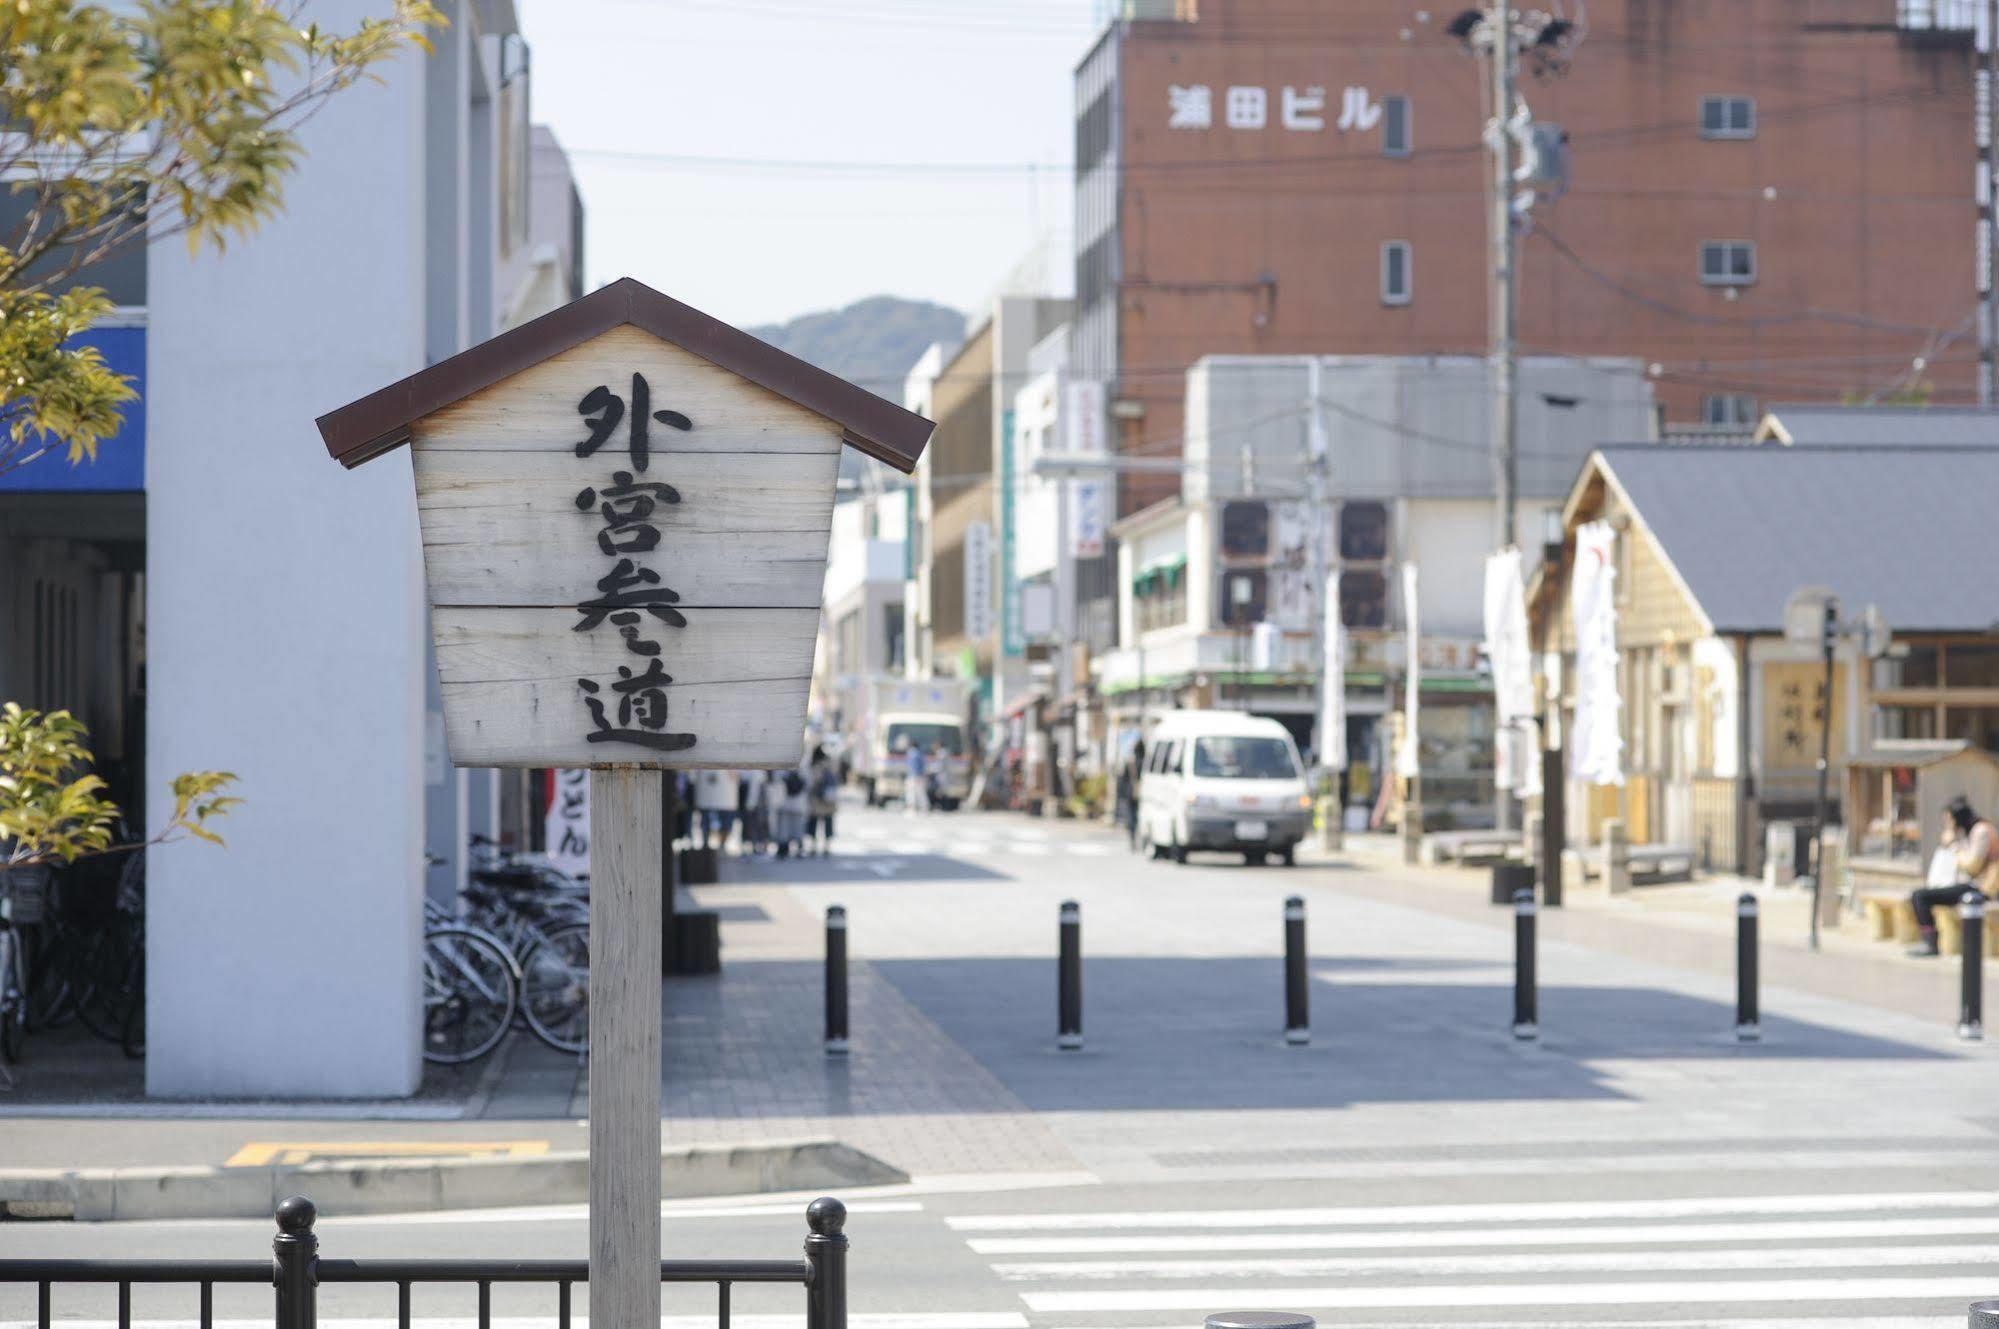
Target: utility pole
[1986,84]
[1503,299]
[1317,531]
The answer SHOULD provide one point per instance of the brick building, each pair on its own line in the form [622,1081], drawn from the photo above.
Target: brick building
[1766,199]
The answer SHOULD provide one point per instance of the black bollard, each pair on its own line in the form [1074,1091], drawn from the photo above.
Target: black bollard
[1971,1004]
[1526,1023]
[1069,980]
[1748,1021]
[836,981]
[1297,995]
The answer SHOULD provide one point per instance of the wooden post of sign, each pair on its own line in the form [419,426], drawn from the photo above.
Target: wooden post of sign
[625,916]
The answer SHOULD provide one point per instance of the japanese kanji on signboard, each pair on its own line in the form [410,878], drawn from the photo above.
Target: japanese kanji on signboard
[625,508]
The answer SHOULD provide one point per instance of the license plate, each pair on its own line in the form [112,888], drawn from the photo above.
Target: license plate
[1252,830]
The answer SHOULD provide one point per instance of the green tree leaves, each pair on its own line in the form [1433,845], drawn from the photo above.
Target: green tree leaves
[53,810]
[171,117]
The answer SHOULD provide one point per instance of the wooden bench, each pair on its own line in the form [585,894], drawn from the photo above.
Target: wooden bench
[1662,862]
[1952,932]
[1469,847]
[1890,916]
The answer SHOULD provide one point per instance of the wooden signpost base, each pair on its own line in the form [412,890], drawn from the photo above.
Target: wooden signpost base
[626,907]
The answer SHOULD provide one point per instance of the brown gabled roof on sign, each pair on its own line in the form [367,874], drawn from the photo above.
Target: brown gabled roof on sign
[380,422]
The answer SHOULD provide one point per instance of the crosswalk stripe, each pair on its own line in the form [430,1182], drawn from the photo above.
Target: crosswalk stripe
[1954,1321]
[1574,1210]
[1462,1295]
[1639,1235]
[1562,1262]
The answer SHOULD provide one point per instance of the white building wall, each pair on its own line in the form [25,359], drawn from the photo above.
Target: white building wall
[1449,538]
[285,612]
[1036,508]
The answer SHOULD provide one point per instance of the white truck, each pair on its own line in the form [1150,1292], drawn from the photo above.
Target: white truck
[889,716]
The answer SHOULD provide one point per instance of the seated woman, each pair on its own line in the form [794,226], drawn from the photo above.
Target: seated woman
[1976,845]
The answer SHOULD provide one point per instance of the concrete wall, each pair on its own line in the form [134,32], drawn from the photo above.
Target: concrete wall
[1403,426]
[285,611]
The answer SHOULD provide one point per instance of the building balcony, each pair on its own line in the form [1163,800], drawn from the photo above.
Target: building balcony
[1945,20]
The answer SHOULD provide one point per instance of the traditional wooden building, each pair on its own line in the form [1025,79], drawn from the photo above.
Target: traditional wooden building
[1721,708]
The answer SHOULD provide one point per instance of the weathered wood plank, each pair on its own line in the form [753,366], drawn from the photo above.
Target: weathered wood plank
[511,697]
[472,563]
[536,409]
[718,491]
[505,528]
[625,912]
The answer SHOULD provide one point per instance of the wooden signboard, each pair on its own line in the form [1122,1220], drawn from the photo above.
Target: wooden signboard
[624,507]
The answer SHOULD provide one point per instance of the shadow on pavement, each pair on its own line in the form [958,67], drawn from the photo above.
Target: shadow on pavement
[1204,1033]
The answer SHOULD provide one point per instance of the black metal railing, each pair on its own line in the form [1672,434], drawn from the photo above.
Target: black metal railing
[297,1273]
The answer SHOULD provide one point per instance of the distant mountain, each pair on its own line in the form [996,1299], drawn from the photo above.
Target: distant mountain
[872,342]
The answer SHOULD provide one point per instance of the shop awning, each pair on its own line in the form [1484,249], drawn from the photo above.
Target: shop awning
[1160,572]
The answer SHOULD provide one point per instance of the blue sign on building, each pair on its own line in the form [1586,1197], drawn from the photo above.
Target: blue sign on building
[121,459]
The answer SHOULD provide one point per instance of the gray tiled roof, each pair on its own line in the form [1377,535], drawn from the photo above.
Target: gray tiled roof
[1913,531]
[1812,426]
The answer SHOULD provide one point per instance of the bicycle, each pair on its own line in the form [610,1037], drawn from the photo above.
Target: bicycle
[538,917]
[542,916]
[21,892]
[111,997]
[471,990]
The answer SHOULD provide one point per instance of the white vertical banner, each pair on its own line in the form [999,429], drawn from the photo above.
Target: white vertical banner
[1512,673]
[979,580]
[1082,415]
[566,826]
[1089,517]
[1333,694]
[1596,746]
[1407,761]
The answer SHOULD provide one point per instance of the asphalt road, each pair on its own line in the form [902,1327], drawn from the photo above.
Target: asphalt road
[1414,1165]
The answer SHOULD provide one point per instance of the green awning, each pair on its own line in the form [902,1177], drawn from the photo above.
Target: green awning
[1159,572]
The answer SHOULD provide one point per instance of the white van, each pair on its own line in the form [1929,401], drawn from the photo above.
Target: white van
[1222,780]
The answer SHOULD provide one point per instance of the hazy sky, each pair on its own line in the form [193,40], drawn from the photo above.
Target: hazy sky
[653,99]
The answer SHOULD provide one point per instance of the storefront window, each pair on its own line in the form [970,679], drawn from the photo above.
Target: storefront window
[1891,722]
[1978,725]
[1967,666]
[1363,532]
[1363,599]
[1916,669]
[1245,530]
[1243,597]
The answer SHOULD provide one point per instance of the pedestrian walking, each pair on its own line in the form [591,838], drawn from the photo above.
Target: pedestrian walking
[915,781]
[1973,846]
[792,809]
[715,797]
[756,812]
[824,796]
[1128,777]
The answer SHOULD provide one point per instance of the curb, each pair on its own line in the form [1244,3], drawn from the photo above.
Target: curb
[346,1189]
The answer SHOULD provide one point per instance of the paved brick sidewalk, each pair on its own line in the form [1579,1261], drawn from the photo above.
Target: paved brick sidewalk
[744,1059]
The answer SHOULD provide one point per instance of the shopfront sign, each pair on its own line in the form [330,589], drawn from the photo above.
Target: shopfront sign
[1252,106]
[624,523]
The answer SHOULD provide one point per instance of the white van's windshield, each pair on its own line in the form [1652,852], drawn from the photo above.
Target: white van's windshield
[1244,759]
[927,737]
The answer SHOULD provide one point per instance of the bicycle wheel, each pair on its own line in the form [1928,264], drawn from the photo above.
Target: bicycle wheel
[13,1000]
[555,986]
[469,994]
[115,981]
